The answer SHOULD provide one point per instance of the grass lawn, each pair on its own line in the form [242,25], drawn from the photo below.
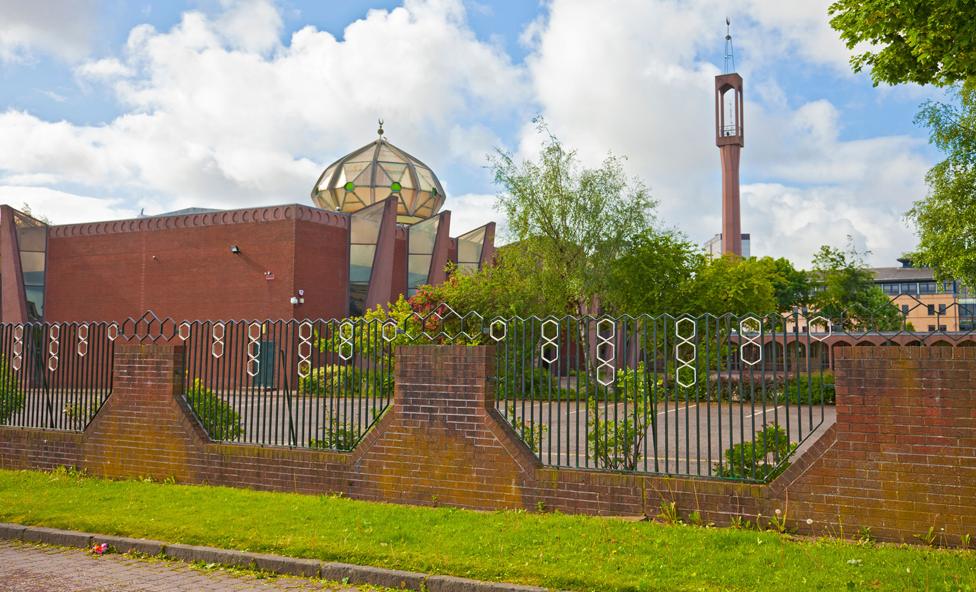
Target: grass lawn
[553,550]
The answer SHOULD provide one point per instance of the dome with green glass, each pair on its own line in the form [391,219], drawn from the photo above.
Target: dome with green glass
[375,172]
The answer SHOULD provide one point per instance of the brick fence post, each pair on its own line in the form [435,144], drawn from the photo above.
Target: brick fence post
[445,443]
[143,428]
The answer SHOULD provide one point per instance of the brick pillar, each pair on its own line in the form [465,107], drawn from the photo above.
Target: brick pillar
[445,443]
[143,430]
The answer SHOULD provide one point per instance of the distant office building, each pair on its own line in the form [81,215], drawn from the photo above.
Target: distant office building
[713,248]
[927,304]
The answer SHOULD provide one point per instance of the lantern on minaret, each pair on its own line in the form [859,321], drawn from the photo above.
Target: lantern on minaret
[729,139]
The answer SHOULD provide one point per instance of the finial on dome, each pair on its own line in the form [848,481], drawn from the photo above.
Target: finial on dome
[379,132]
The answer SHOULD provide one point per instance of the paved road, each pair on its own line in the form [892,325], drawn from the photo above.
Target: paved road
[30,568]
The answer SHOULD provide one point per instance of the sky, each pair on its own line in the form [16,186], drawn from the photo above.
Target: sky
[112,108]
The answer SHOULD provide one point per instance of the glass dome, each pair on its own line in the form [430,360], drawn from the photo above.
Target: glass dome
[375,172]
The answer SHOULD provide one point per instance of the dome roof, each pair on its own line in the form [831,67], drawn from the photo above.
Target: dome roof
[375,172]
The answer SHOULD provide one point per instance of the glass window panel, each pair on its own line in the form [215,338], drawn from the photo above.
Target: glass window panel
[364,227]
[382,179]
[422,236]
[365,178]
[361,262]
[32,238]
[357,298]
[408,196]
[426,178]
[35,301]
[32,262]
[394,171]
[418,268]
[351,170]
[388,155]
[364,194]
[470,245]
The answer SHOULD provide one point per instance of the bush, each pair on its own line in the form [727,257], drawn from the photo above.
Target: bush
[219,419]
[763,458]
[11,397]
[341,437]
[342,380]
[82,412]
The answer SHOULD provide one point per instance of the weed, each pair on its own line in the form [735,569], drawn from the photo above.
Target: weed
[540,506]
[864,535]
[928,537]
[669,513]
[778,522]
[695,519]
[966,541]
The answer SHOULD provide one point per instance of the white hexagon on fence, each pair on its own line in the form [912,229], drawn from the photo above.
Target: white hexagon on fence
[218,332]
[82,348]
[606,351]
[389,331]
[549,350]
[750,331]
[253,349]
[347,333]
[53,346]
[498,329]
[112,332]
[17,357]
[685,353]
[818,320]
[184,331]
[305,333]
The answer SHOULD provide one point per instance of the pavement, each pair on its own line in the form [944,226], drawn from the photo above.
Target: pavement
[35,568]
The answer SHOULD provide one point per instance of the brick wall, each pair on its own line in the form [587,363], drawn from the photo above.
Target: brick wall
[900,459]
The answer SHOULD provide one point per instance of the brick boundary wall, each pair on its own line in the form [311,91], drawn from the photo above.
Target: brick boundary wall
[900,459]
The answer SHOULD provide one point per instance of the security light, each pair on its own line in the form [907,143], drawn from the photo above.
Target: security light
[235,249]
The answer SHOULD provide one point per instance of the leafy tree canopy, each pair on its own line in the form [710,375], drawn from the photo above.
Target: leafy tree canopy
[847,293]
[946,218]
[921,41]
[572,221]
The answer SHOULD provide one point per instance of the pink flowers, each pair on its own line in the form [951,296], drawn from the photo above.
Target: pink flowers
[99,549]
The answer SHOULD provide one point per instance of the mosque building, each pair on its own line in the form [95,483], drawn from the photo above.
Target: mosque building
[374,231]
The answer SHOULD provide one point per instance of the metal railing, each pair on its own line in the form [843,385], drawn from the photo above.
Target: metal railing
[54,375]
[318,384]
[730,397]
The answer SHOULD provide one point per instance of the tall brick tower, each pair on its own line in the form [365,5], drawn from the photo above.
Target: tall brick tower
[729,139]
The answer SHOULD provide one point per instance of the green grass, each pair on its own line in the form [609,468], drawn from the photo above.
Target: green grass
[554,550]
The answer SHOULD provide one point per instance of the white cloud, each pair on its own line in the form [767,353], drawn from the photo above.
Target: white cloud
[219,113]
[637,85]
[61,207]
[472,210]
[61,27]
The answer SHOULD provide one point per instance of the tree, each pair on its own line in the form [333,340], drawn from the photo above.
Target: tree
[573,221]
[847,293]
[654,275]
[516,284]
[734,285]
[921,41]
[946,218]
[791,286]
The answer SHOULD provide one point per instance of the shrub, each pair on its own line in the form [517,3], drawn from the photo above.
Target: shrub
[344,380]
[11,397]
[219,419]
[341,437]
[617,444]
[763,458]
[82,412]
[530,432]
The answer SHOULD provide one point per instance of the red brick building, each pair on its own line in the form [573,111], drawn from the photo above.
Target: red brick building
[381,236]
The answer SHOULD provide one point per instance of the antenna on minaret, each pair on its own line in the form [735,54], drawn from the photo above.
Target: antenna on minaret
[729,55]
[379,132]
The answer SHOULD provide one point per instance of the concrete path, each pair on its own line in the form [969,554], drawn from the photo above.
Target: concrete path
[33,568]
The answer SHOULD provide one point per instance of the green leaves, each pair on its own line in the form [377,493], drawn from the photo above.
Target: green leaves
[920,41]
[946,217]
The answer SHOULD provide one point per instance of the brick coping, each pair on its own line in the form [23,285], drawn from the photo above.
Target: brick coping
[278,564]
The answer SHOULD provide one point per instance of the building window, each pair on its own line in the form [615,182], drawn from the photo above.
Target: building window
[32,242]
[942,309]
[904,309]
[364,232]
[420,252]
[469,249]
[931,310]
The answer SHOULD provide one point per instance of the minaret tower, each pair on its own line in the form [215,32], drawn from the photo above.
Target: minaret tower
[729,139]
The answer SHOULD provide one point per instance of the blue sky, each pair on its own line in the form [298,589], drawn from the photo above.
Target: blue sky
[108,108]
